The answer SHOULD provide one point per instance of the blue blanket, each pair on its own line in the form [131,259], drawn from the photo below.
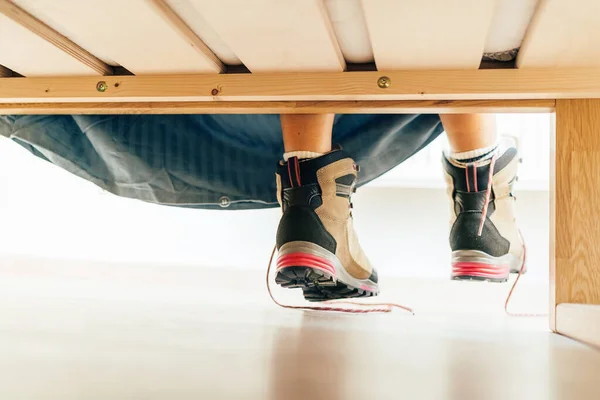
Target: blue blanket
[204,161]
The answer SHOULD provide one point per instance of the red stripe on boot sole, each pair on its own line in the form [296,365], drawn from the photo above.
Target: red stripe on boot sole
[306,260]
[465,268]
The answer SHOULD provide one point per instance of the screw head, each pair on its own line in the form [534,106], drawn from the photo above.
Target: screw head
[384,82]
[101,86]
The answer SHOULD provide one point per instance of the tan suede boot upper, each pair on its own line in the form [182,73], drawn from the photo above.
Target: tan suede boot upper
[335,214]
[500,222]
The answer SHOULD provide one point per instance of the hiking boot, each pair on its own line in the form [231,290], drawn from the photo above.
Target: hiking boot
[318,250]
[485,240]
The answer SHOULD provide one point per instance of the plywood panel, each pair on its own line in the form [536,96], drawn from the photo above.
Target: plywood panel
[30,55]
[435,34]
[562,34]
[275,35]
[130,33]
[577,202]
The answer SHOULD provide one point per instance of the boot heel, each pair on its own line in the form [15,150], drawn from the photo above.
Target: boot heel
[477,265]
[306,260]
[318,273]
[464,270]
[299,269]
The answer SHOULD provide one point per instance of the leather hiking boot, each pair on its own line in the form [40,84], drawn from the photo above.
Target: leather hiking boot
[485,240]
[318,248]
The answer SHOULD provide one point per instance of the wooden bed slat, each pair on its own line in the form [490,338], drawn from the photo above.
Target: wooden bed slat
[31,48]
[131,33]
[202,29]
[30,55]
[275,35]
[562,34]
[36,26]
[433,34]
[186,33]
[5,72]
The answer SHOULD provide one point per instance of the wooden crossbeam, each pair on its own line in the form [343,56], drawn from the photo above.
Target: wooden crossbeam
[392,85]
[284,107]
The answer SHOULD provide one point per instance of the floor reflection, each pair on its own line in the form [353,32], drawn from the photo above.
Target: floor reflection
[309,363]
[382,357]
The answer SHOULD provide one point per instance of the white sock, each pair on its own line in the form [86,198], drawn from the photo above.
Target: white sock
[301,155]
[475,155]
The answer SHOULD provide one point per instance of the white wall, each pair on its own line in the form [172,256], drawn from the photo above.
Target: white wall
[405,231]
[47,212]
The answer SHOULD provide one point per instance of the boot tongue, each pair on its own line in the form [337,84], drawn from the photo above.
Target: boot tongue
[468,178]
[474,177]
[305,171]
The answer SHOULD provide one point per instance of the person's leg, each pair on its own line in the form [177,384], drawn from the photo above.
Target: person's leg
[469,132]
[480,171]
[317,248]
[307,132]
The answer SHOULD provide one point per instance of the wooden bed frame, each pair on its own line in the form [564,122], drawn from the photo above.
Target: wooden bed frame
[566,84]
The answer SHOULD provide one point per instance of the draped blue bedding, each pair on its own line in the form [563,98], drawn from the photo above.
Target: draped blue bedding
[204,161]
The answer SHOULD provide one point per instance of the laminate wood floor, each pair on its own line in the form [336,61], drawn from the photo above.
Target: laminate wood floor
[72,330]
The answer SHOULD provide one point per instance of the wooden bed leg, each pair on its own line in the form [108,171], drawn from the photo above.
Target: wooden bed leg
[575,206]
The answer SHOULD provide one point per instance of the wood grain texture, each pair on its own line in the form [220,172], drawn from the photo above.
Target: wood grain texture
[580,322]
[128,33]
[405,85]
[433,34]
[21,17]
[283,107]
[577,202]
[275,35]
[552,225]
[562,34]
[186,33]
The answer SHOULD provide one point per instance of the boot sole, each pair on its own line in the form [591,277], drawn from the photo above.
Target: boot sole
[319,274]
[476,265]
